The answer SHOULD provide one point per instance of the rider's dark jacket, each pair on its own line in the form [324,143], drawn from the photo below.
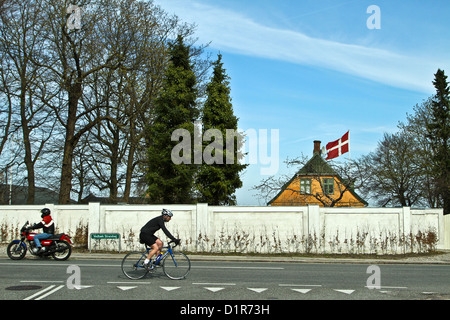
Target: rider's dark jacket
[154,225]
[47,224]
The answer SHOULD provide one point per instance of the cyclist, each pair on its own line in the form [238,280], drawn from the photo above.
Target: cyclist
[148,237]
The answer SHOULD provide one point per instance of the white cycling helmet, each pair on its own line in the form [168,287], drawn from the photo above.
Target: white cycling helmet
[166,212]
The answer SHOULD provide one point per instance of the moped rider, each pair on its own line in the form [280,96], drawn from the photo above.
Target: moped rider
[48,227]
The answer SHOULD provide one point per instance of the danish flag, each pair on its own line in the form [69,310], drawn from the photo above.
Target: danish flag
[338,147]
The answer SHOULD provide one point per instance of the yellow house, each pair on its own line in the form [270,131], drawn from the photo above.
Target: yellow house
[317,184]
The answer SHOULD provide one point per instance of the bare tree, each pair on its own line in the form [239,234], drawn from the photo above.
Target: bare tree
[4,5]
[21,43]
[127,95]
[74,57]
[124,96]
[6,104]
[81,98]
[393,176]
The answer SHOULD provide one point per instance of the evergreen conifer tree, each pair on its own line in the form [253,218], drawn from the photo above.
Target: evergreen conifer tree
[218,176]
[176,108]
[438,134]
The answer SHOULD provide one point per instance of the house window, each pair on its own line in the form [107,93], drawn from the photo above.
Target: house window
[328,186]
[305,186]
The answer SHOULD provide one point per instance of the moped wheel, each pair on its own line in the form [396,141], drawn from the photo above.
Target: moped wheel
[64,250]
[16,250]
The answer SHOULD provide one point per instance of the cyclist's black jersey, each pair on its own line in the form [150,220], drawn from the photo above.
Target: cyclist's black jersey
[154,225]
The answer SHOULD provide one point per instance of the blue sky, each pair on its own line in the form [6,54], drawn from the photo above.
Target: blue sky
[313,69]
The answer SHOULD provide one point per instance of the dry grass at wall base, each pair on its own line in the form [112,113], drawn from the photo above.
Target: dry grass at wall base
[362,243]
[236,241]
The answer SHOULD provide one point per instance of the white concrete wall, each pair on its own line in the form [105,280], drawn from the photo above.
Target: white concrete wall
[446,232]
[204,228]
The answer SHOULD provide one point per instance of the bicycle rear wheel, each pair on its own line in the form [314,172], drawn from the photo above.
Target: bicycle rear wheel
[133,265]
[176,266]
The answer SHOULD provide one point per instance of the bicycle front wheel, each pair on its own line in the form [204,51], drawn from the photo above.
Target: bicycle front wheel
[176,266]
[133,265]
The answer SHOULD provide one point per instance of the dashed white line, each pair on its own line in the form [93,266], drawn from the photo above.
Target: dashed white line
[127,282]
[385,287]
[300,285]
[214,284]
[41,281]
[243,268]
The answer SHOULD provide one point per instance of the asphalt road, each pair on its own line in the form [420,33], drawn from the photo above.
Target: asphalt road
[36,279]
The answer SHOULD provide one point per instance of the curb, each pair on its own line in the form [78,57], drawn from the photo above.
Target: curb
[441,259]
[200,258]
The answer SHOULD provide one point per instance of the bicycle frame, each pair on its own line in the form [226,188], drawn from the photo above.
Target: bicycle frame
[169,250]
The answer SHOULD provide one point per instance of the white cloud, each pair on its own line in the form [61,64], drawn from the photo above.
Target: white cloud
[232,31]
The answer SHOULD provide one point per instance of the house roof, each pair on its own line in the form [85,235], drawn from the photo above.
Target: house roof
[106,200]
[20,195]
[316,166]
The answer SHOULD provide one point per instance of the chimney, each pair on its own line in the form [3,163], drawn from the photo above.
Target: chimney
[317,147]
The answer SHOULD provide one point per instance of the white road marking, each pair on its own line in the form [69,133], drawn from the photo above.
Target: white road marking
[243,268]
[300,285]
[127,282]
[80,287]
[170,288]
[385,287]
[43,293]
[302,290]
[123,288]
[213,284]
[41,281]
[344,291]
[257,290]
[213,289]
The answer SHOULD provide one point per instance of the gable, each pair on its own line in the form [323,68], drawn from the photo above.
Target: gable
[316,168]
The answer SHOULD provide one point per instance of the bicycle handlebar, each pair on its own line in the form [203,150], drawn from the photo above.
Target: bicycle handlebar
[176,244]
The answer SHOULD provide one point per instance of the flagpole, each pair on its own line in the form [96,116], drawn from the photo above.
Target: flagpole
[349,156]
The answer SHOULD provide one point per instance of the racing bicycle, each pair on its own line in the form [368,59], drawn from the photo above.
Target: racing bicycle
[176,265]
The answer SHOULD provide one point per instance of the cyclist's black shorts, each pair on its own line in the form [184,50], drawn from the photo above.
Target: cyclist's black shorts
[148,239]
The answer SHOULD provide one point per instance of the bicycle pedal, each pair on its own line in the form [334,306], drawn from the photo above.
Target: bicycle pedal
[149,266]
